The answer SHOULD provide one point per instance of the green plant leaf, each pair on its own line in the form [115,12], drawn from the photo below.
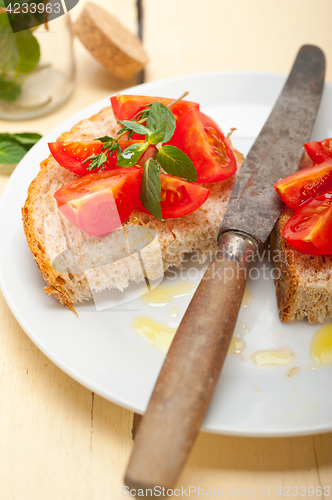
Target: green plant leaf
[135,127]
[160,135]
[9,89]
[161,119]
[19,52]
[130,156]
[28,50]
[26,139]
[175,162]
[151,188]
[104,138]
[11,153]
[9,55]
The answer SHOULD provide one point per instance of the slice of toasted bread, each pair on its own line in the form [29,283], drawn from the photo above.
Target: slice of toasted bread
[50,235]
[303,282]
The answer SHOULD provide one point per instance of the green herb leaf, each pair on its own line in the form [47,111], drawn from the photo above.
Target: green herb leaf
[104,138]
[19,52]
[160,135]
[130,156]
[11,153]
[151,188]
[135,127]
[9,89]
[26,139]
[161,116]
[28,50]
[175,162]
[9,55]
[143,113]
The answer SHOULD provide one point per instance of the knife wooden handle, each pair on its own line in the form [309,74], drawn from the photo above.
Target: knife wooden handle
[188,378]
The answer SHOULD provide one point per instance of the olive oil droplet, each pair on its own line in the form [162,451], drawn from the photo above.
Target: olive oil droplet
[236,346]
[159,335]
[174,311]
[273,358]
[163,294]
[321,346]
[247,298]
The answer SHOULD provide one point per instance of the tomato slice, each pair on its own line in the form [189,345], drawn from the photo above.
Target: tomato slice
[198,136]
[319,151]
[178,197]
[310,227]
[71,155]
[99,203]
[125,107]
[297,188]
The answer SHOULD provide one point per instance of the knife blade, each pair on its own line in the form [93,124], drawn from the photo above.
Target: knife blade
[278,149]
[188,377]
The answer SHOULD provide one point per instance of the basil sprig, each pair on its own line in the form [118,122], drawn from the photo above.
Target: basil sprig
[158,129]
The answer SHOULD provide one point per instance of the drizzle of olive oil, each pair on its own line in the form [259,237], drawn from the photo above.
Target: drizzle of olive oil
[273,358]
[236,346]
[247,298]
[174,312]
[321,346]
[163,294]
[242,327]
[159,335]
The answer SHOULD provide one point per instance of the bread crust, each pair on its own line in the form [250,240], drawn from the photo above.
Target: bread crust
[303,282]
[56,284]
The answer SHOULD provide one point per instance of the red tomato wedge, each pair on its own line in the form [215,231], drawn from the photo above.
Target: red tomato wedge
[319,151]
[125,107]
[99,203]
[71,155]
[310,227]
[178,197]
[198,136]
[298,188]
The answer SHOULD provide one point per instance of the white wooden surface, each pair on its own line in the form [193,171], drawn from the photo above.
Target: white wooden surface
[58,440]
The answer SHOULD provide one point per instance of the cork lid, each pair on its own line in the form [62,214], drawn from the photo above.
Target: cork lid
[117,49]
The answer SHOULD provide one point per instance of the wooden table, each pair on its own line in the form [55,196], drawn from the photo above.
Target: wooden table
[59,440]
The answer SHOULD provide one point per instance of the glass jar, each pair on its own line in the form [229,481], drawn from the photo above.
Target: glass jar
[41,77]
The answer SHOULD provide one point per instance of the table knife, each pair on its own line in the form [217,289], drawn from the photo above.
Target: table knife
[192,366]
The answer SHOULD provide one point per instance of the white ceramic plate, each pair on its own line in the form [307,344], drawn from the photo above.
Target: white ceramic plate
[101,350]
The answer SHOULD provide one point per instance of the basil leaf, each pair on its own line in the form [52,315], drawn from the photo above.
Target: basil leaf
[161,116]
[130,156]
[135,127]
[151,188]
[19,52]
[175,162]
[9,56]
[28,50]
[26,139]
[11,153]
[9,89]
